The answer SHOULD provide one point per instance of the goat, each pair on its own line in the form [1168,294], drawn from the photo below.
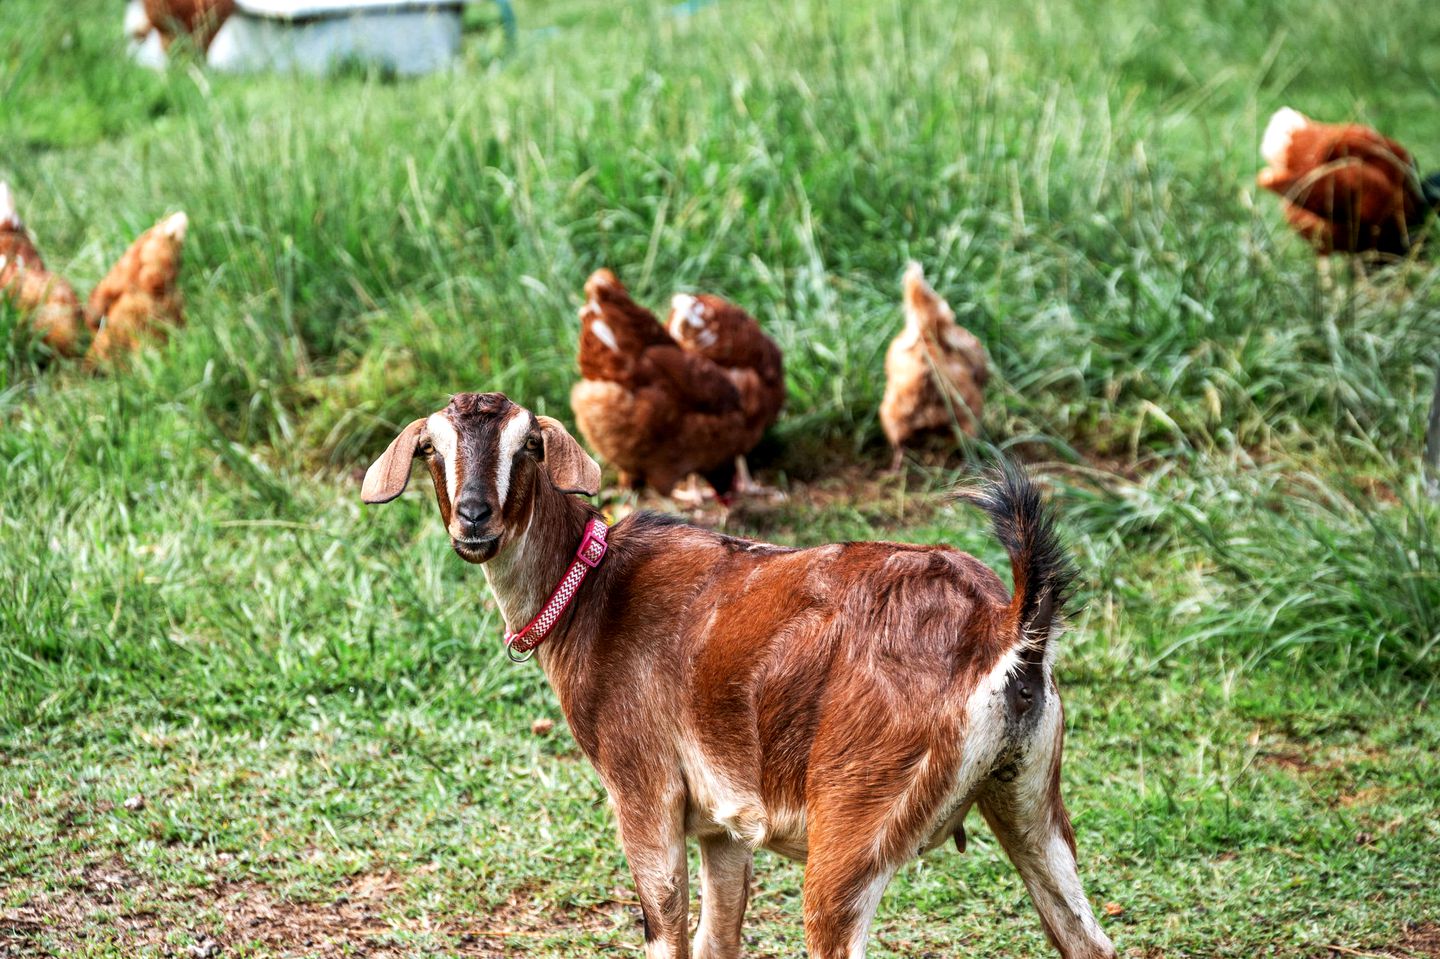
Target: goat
[844,705]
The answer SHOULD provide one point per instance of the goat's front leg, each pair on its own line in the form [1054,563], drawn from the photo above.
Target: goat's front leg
[652,832]
[725,867]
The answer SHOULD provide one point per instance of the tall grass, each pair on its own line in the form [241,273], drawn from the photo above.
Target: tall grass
[1077,182]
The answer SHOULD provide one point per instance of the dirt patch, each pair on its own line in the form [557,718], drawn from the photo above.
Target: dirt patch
[1364,797]
[1292,760]
[520,920]
[110,905]
[1418,940]
[1421,939]
[1297,756]
[250,914]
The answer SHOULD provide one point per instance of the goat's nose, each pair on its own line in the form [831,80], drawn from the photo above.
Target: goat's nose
[473,511]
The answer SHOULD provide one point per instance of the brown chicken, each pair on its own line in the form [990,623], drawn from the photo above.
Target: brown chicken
[139,300]
[1346,188]
[650,408]
[935,371]
[729,337]
[53,308]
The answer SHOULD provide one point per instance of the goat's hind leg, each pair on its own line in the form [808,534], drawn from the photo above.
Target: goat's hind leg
[725,868]
[841,893]
[1029,818]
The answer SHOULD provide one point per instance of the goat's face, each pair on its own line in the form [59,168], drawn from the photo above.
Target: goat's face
[486,455]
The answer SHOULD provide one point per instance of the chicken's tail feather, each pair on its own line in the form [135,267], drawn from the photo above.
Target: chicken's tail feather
[1430,189]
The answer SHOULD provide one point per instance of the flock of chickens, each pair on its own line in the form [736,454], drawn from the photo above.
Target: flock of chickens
[137,302]
[692,396]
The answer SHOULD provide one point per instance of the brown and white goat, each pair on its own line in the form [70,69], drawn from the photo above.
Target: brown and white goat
[844,705]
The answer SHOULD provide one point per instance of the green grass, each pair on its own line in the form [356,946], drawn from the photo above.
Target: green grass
[311,696]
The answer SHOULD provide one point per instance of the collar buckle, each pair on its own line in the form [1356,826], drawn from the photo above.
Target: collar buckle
[592,548]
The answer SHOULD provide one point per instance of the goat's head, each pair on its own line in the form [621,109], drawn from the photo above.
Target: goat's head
[486,455]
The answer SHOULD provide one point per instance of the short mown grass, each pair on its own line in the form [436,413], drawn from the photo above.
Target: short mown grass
[310,697]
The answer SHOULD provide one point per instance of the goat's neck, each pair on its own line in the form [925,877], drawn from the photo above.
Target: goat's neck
[526,571]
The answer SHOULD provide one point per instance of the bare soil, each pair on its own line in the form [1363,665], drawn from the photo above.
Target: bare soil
[108,904]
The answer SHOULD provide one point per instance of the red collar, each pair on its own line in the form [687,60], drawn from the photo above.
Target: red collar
[587,556]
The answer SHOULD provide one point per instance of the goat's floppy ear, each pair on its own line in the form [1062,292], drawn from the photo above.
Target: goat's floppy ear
[388,476]
[571,469]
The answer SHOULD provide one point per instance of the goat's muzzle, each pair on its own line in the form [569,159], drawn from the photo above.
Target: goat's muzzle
[476,550]
[475,528]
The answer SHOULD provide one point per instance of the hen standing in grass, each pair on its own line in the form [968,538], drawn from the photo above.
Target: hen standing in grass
[935,371]
[51,302]
[729,337]
[653,410]
[1346,188]
[139,300]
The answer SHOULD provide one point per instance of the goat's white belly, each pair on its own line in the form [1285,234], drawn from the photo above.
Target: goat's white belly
[780,831]
[785,834]
[719,805]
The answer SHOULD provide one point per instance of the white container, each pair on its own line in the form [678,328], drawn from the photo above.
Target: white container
[314,36]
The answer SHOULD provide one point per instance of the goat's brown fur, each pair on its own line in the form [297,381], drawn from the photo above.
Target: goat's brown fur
[845,704]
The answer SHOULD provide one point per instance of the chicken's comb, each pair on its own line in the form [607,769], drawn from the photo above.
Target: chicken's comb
[9,216]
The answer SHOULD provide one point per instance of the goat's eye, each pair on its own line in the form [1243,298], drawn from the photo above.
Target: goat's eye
[424,448]
[532,445]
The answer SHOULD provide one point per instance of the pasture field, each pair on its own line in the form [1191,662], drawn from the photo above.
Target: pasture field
[332,755]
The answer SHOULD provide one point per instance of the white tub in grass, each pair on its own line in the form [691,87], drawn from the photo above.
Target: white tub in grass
[313,36]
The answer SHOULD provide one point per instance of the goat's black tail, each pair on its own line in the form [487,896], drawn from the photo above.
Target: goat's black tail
[1043,574]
